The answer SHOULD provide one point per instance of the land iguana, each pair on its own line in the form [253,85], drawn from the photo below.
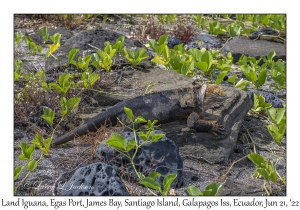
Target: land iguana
[165,106]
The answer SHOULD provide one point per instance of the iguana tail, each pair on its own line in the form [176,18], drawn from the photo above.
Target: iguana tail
[91,125]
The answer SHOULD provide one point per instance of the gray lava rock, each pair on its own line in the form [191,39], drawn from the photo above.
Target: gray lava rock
[98,179]
[264,31]
[65,34]
[209,42]
[255,48]
[172,42]
[205,145]
[270,98]
[84,41]
[161,156]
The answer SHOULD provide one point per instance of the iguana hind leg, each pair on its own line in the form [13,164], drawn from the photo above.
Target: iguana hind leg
[194,122]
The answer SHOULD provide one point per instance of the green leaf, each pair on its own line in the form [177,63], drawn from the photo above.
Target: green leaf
[259,103]
[129,114]
[151,124]
[277,115]
[193,191]
[83,63]
[180,49]
[72,103]
[38,141]
[166,53]
[146,136]
[234,30]
[69,105]
[134,57]
[156,137]
[268,173]
[277,133]
[63,84]
[140,55]
[271,55]
[187,68]
[242,84]
[31,165]
[72,54]
[27,151]
[240,17]
[117,141]
[232,79]
[48,116]
[44,33]
[220,77]
[262,77]
[47,144]
[93,78]
[140,119]
[143,136]
[212,189]
[53,48]
[16,76]
[64,106]
[95,60]
[207,58]
[17,37]
[265,20]
[17,172]
[249,72]
[196,54]
[151,183]
[272,173]
[160,60]
[88,79]
[105,60]
[168,180]
[163,39]
[119,44]
[154,175]
[110,51]
[55,38]
[257,159]
[32,45]
[27,40]
[43,145]
[131,144]
[153,45]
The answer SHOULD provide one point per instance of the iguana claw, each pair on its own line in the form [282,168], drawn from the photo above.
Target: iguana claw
[194,122]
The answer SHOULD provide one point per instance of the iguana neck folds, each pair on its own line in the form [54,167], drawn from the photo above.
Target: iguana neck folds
[199,94]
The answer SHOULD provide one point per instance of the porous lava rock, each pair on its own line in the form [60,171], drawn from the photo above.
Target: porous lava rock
[98,179]
[208,42]
[269,97]
[88,42]
[173,41]
[65,35]
[262,31]
[161,156]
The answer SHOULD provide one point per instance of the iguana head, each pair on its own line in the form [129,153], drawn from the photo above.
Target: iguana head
[208,95]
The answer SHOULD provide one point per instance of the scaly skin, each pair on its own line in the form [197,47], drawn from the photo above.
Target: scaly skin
[163,106]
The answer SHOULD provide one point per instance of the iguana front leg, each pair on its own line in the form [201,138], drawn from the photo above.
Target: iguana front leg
[195,123]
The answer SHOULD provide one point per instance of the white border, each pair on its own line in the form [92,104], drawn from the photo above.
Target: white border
[153,6]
